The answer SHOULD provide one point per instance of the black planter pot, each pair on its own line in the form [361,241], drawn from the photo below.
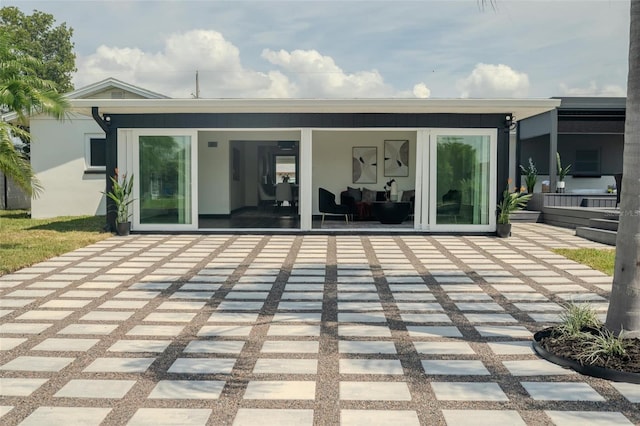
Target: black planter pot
[503,230]
[587,370]
[124,228]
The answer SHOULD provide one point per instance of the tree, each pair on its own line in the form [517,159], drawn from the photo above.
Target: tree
[37,36]
[623,314]
[24,93]
[624,307]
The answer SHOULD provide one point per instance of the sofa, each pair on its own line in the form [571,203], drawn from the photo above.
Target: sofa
[360,201]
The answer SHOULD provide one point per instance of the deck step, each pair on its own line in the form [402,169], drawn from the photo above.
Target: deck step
[598,235]
[526,216]
[609,225]
[598,202]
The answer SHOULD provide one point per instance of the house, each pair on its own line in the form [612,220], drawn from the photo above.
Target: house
[587,132]
[68,156]
[209,164]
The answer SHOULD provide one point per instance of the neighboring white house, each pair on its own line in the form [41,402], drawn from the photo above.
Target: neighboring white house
[68,156]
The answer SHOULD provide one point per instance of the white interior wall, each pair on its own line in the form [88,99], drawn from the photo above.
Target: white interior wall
[58,160]
[332,160]
[213,174]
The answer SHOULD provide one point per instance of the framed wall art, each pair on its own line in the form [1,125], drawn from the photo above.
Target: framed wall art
[365,164]
[396,158]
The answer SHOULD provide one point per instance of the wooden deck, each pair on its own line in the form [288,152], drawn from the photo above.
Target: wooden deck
[574,217]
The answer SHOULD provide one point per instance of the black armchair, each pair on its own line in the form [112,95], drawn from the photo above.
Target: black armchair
[327,205]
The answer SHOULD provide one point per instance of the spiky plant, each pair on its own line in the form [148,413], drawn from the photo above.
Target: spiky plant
[575,318]
[602,347]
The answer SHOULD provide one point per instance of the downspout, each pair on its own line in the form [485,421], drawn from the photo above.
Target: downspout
[110,225]
[96,116]
[518,176]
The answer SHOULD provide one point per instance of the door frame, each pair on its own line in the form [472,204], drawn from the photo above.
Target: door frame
[193,184]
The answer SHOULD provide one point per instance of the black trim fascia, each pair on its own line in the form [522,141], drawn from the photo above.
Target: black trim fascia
[298,120]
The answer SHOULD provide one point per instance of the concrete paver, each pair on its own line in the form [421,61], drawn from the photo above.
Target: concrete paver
[300,329]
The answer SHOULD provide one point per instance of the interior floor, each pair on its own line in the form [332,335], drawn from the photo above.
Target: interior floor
[284,218]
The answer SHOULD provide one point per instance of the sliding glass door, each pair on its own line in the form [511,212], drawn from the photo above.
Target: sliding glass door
[462,171]
[165,183]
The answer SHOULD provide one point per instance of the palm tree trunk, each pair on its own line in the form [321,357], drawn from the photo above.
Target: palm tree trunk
[624,308]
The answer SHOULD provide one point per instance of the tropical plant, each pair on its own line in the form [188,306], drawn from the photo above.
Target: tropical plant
[120,193]
[511,201]
[562,171]
[601,347]
[530,175]
[22,93]
[575,318]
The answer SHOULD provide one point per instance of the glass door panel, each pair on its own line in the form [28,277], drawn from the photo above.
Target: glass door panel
[462,179]
[165,180]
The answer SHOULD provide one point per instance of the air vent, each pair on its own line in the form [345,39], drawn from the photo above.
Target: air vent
[212,144]
[286,145]
[117,94]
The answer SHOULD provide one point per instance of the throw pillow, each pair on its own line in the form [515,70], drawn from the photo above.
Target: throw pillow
[354,193]
[368,196]
[406,195]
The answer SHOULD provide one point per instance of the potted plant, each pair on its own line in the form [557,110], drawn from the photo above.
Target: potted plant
[562,173]
[530,175]
[511,201]
[121,195]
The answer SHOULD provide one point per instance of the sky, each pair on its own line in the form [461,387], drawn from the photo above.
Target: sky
[350,49]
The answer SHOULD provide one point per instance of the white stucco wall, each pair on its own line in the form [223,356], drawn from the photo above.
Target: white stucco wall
[332,154]
[58,159]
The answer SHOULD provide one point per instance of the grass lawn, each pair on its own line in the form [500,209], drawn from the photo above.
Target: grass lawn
[25,241]
[602,260]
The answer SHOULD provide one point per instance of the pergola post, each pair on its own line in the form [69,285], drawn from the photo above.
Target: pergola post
[553,148]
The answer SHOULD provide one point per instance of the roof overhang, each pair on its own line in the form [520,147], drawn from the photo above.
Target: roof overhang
[519,108]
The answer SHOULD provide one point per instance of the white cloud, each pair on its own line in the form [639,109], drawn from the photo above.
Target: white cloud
[319,76]
[171,71]
[421,90]
[494,81]
[593,90]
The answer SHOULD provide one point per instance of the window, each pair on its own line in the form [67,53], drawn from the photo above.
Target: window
[587,162]
[95,151]
[286,168]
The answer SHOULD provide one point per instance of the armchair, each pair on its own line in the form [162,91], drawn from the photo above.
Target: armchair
[327,205]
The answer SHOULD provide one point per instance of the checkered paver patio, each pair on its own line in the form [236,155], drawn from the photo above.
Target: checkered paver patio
[300,330]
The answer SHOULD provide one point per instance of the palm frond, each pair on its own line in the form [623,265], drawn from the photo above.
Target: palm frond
[15,166]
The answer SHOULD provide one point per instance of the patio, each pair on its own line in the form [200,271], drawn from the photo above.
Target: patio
[301,330]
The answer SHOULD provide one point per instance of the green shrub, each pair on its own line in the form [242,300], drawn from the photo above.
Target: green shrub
[576,318]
